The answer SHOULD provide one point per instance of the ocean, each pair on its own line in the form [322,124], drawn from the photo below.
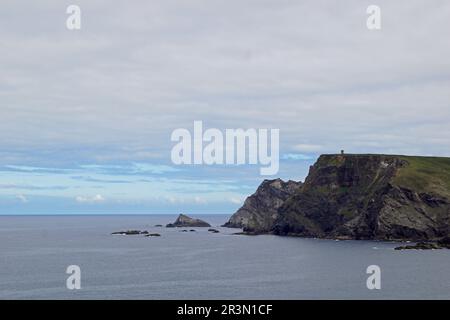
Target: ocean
[35,252]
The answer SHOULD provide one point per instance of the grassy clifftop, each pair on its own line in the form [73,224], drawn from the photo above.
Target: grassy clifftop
[418,173]
[425,174]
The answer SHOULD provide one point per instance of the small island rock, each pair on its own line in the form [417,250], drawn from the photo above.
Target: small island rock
[185,221]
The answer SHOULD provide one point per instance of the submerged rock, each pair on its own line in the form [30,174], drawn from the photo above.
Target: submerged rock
[443,243]
[213,230]
[246,233]
[185,221]
[153,235]
[130,232]
[421,246]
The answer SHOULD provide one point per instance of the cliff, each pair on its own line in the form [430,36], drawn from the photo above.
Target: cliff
[362,197]
[260,209]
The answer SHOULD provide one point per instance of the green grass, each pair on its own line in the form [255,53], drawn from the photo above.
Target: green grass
[425,174]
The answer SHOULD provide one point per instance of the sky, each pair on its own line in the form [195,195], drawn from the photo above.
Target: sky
[86,115]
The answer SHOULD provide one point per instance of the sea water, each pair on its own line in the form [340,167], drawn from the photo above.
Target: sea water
[35,252]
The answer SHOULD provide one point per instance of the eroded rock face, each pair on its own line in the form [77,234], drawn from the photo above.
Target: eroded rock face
[261,209]
[359,197]
[185,221]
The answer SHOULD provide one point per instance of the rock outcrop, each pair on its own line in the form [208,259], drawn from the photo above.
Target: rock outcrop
[261,209]
[185,221]
[421,246]
[359,197]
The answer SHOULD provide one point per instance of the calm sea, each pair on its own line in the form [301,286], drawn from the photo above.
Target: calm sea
[36,250]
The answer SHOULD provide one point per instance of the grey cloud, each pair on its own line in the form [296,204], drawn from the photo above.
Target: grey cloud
[137,71]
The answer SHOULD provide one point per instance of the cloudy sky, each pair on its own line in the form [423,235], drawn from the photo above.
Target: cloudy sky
[86,115]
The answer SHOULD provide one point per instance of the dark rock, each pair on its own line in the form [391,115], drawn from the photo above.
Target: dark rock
[246,233]
[130,232]
[213,230]
[153,235]
[444,242]
[421,246]
[185,221]
[158,225]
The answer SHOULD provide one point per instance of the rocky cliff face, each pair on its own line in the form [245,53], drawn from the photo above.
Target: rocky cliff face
[365,197]
[261,209]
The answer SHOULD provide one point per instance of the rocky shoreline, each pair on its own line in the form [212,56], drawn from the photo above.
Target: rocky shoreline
[443,243]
